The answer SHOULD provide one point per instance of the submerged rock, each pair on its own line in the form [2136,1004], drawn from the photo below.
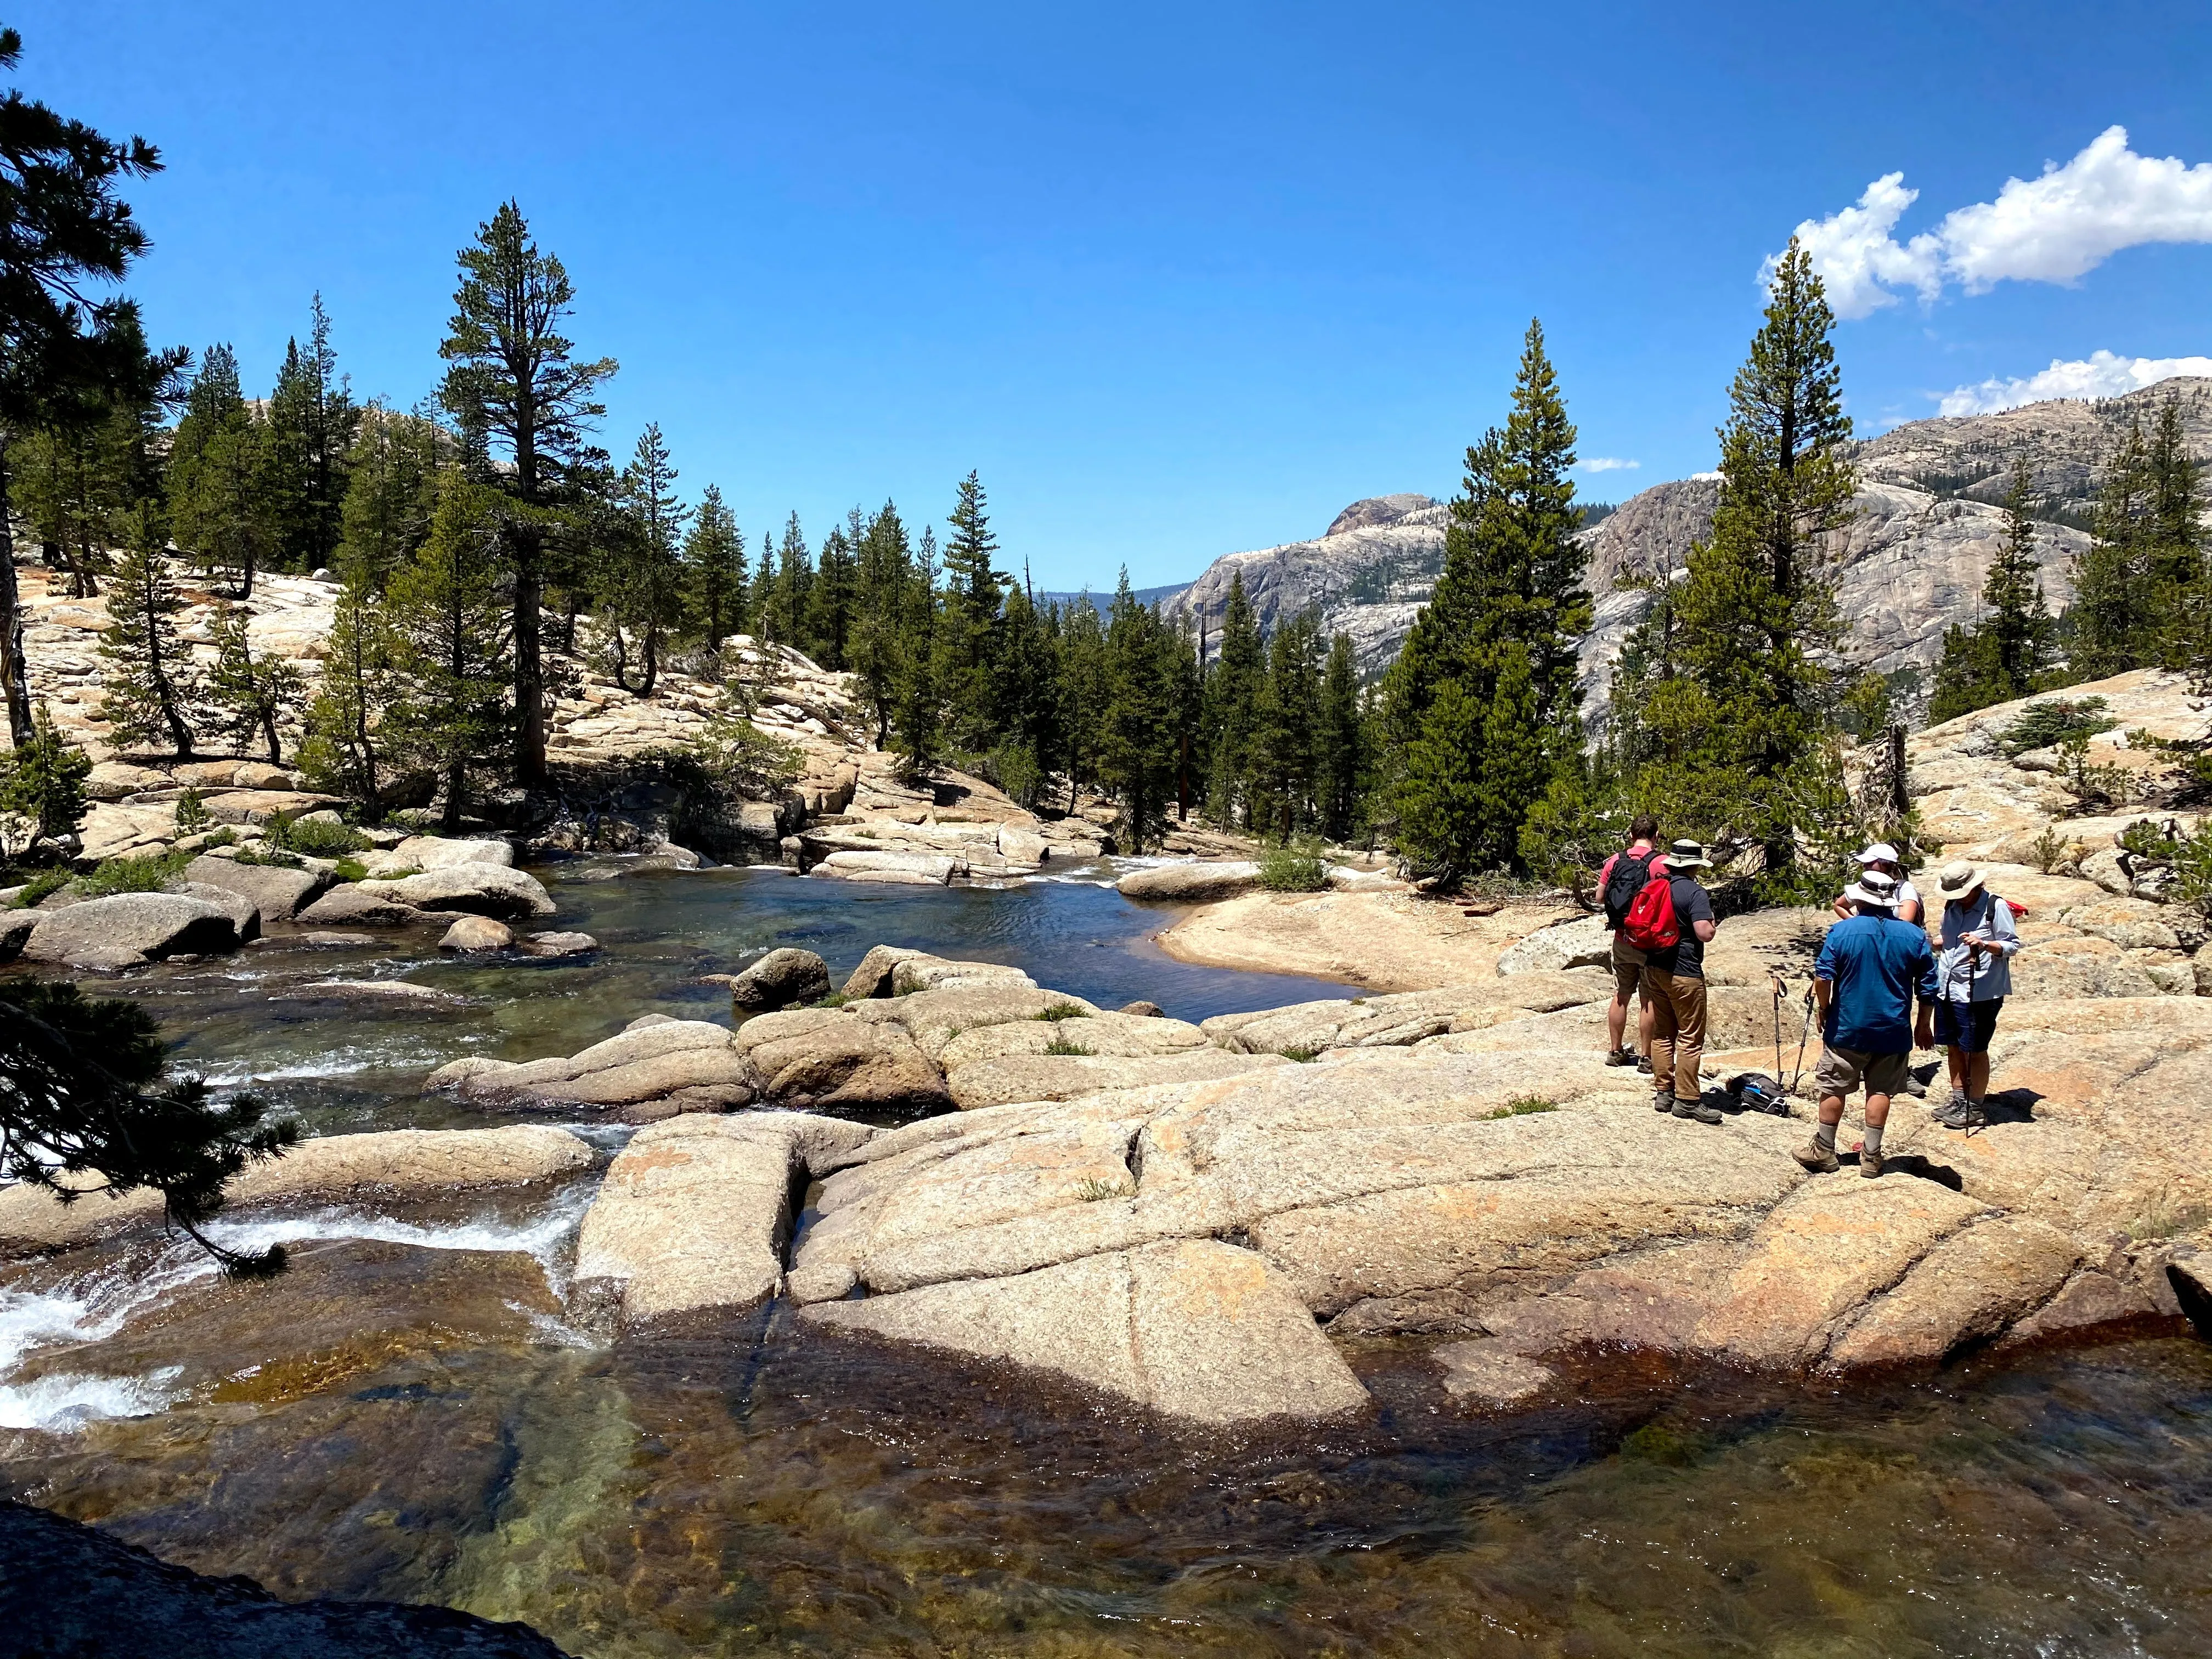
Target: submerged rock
[561,944]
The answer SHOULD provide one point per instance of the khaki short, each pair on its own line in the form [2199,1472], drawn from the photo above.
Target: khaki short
[1842,1069]
[1627,968]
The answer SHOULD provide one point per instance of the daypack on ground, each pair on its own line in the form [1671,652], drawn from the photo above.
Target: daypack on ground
[1629,875]
[1651,924]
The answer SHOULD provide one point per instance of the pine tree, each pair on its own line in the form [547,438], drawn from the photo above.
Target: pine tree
[1755,611]
[1340,745]
[827,625]
[68,234]
[341,750]
[222,505]
[1025,698]
[1138,727]
[919,728]
[42,790]
[74,480]
[452,647]
[312,421]
[1502,627]
[1087,689]
[1288,719]
[973,592]
[2109,615]
[391,474]
[2005,654]
[1232,708]
[644,586]
[153,689]
[714,570]
[2175,574]
[881,605]
[251,695]
[514,382]
[784,616]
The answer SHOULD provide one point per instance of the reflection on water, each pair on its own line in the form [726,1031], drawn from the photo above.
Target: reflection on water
[352,1061]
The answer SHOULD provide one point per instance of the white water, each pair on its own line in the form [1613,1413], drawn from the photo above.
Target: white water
[99,1304]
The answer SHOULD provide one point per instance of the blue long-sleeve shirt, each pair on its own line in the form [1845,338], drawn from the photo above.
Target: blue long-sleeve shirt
[1875,963]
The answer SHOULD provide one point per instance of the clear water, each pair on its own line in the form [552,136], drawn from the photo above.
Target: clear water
[346,1062]
[420,1410]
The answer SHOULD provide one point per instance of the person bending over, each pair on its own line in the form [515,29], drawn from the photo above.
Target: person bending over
[1882,857]
[1871,965]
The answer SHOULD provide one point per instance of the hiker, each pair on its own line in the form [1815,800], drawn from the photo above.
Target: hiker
[1883,857]
[1674,983]
[1623,878]
[1870,967]
[1973,977]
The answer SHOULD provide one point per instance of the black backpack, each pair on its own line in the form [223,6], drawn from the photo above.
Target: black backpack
[1630,873]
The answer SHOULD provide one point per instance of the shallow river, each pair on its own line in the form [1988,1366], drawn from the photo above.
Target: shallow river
[417,1410]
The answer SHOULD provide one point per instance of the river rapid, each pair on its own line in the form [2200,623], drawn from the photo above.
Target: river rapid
[421,1410]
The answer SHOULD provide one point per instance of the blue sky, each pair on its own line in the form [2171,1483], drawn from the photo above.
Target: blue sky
[1176,279]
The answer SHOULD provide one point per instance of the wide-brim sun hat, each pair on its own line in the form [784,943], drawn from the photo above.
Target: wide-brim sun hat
[1958,879]
[1687,855]
[1874,887]
[1880,853]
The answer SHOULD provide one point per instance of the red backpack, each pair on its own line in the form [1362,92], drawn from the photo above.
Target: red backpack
[1651,924]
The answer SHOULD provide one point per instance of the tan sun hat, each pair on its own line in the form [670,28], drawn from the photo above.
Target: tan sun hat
[1688,855]
[1957,880]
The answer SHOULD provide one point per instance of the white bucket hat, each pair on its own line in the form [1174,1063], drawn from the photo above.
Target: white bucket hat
[1880,853]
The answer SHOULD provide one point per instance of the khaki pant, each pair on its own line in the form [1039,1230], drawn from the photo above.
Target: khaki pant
[1677,1002]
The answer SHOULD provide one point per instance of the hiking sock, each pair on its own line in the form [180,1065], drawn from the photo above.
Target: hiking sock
[1872,1143]
[1825,1136]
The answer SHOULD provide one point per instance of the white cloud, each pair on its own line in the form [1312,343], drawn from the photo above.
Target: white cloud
[2100,375]
[2055,228]
[1856,254]
[1607,464]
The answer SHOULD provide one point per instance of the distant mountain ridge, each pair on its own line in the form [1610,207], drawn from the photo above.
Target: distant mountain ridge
[1910,564]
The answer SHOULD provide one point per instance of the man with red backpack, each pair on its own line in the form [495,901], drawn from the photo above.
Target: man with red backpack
[1672,923]
[1625,875]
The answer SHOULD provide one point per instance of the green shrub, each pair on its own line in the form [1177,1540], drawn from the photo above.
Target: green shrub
[43,885]
[350,870]
[147,873]
[1526,1106]
[2051,722]
[1060,1045]
[1295,868]
[2146,839]
[1303,1057]
[275,857]
[192,812]
[1060,1011]
[2048,850]
[2192,868]
[1092,1191]
[316,837]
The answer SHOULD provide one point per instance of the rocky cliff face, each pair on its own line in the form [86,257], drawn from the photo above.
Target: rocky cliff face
[1912,563]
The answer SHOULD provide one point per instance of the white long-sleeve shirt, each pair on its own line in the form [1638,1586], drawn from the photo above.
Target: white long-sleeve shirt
[1958,976]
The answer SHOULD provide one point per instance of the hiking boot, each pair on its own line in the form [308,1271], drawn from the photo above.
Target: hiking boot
[1697,1111]
[1620,1056]
[1821,1160]
[1663,1101]
[1956,1112]
[1644,1065]
[1869,1164]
